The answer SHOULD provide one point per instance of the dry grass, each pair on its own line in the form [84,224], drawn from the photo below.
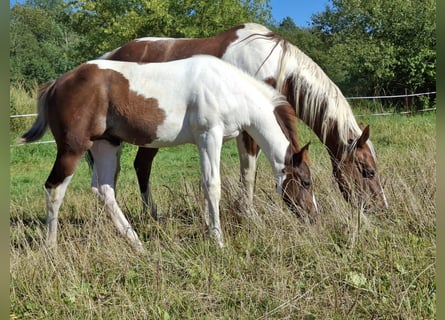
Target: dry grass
[348,266]
[21,103]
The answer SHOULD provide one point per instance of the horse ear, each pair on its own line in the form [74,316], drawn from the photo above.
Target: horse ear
[364,137]
[361,126]
[297,157]
[305,149]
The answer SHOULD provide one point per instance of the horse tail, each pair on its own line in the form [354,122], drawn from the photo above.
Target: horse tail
[39,127]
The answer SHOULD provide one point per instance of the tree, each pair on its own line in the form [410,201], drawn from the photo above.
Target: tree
[108,24]
[379,46]
[306,39]
[41,46]
[50,37]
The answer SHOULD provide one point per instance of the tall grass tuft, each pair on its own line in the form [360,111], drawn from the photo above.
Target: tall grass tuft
[21,102]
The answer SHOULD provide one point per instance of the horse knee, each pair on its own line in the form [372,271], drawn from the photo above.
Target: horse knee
[213,189]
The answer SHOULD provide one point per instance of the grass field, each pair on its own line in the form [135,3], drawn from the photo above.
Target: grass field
[348,266]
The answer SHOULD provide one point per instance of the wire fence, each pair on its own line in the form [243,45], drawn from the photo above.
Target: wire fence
[406,96]
[392,97]
[408,109]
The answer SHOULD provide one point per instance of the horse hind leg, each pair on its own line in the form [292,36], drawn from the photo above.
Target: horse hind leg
[106,162]
[248,152]
[99,145]
[56,185]
[143,164]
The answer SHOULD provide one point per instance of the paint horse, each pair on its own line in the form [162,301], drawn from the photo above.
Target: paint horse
[200,100]
[316,99]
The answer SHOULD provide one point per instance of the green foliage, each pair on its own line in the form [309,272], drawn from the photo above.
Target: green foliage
[41,45]
[366,47]
[306,39]
[50,37]
[110,23]
[379,46]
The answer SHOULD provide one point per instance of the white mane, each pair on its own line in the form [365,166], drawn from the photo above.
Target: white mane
[316,94]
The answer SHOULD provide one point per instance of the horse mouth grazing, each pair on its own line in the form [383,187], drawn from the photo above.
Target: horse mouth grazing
[368,203]
[375,207]
[308,214]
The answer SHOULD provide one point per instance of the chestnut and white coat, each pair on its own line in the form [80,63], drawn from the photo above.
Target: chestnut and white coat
[201,100]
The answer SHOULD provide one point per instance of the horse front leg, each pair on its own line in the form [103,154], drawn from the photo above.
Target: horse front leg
[248,152]
[143,164]
[106,162]
[210,144]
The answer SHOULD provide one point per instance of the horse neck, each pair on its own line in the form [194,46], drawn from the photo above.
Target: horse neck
[276,136]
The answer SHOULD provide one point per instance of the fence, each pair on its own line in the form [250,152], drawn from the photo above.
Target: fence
[406,103]
[406,96]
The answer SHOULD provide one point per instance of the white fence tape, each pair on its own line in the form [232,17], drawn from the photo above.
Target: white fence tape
[23,115]
[394,113]
[390,97]
[38,142]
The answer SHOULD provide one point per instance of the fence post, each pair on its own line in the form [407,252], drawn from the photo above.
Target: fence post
[406,101]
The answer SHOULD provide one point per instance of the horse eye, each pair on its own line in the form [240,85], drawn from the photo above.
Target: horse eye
[368,173]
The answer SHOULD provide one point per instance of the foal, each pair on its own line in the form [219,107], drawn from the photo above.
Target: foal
[200,100]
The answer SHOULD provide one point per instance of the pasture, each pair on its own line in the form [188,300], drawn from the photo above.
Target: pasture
[349,265]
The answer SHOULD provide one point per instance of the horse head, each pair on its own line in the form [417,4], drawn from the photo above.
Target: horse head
[357,174]
[297,191]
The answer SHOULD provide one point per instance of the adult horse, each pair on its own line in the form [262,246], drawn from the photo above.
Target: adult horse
[316,99]
[160,105]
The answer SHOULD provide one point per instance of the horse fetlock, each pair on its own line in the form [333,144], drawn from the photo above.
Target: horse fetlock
[51,238]
[137,245]
[216,234]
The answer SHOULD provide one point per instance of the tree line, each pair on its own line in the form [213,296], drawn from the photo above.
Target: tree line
[369,47]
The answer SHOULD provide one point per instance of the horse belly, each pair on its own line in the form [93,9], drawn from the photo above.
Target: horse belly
[230,135]
[169,135]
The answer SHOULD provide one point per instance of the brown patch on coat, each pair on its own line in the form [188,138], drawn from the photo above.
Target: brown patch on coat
[297,186]
[271,81]
[251,146]
[288,90]
[131,117]
[91,103]
[175,49]
[287,120]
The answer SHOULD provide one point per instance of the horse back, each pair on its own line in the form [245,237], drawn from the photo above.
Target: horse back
[146,50]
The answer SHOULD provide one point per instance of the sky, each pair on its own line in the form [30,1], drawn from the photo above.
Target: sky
[299,10]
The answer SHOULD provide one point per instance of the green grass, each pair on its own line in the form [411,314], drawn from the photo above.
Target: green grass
[348,266]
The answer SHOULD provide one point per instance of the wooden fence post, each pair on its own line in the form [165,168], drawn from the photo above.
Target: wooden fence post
[406,101]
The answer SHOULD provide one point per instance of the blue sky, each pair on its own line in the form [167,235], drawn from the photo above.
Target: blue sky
[299,10]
